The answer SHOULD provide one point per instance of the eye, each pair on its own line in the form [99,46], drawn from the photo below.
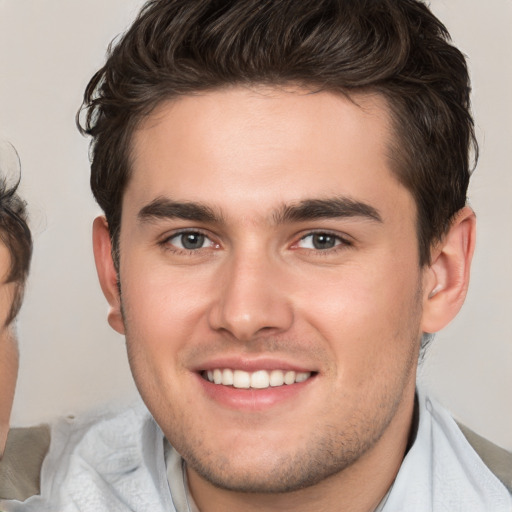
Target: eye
[320,241]
[190,241]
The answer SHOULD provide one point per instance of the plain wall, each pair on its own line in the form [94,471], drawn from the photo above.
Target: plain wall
[71,360]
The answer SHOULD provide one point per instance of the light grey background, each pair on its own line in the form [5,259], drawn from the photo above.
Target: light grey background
[72,361]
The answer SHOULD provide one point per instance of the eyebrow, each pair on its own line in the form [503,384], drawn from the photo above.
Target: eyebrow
[163,208]
[309,209]
[337,207]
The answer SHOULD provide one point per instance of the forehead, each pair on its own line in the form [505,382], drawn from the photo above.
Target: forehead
[252,149]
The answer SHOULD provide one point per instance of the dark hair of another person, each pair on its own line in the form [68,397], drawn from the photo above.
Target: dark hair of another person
[15,235]
[395,48]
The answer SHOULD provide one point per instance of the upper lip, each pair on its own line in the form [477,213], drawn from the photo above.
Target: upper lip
[251,364]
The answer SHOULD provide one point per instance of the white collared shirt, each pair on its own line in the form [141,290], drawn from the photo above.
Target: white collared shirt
[121,462]
[441,472]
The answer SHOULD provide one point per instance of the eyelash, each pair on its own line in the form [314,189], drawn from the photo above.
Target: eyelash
[167,246]
[341,243]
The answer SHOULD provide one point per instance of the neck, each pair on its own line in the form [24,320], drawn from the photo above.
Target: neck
[358,488]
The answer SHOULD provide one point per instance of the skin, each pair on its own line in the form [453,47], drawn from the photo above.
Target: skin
[8,349]
[259,293]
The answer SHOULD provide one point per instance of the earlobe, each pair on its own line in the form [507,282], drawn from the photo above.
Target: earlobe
[107,273]
[446,280]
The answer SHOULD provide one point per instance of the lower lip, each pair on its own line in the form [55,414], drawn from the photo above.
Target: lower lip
[252,399]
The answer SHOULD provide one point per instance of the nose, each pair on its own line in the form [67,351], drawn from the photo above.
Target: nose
[251,299]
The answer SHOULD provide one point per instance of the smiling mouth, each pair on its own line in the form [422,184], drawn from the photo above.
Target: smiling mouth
[260,379]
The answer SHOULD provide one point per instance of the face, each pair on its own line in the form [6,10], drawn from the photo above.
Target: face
[8,348]
[270,287]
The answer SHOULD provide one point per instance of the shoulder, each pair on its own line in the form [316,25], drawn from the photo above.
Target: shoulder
[471,450]
[442,470]
[20,467]
[497,459]
[111,460]
[36,454]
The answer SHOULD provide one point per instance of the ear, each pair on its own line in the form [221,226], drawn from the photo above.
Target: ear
[107,273]
[446,280]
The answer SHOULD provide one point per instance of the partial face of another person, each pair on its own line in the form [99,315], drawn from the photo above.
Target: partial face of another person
[271,294]
[8,347]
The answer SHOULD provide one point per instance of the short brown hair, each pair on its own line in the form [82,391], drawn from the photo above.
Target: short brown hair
[396,48]
[15,235]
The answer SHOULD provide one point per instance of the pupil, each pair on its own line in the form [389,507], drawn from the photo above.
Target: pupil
[323,241]
[192,240]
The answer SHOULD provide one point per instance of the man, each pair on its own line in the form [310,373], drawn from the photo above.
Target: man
[284,187]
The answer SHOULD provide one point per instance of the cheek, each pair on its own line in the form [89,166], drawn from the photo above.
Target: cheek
[366,313]
[8,373]
[162,309]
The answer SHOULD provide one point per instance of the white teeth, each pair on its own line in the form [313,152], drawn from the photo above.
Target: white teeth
[241,379]
[217,376]
[276,378]
[302,376]
[227,377]
[289,378]
[260,379]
